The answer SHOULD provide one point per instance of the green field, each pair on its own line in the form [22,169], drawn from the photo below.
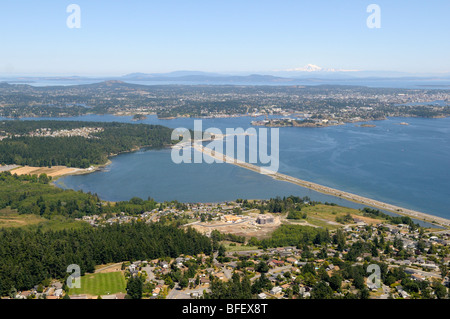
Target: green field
[238,247]
[101,284]
[11,218]
[325,215]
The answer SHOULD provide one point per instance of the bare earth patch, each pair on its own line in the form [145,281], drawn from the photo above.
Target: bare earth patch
[247,228]
[54,171]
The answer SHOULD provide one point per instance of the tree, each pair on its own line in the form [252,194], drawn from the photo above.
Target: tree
[444,270]
[421,246]
[398,243]
[321,291]
[184,282]
[322,254]
[134,287]
[336,282]
[432,250]
[262,267]
[364,293]
[40,288]
[323,275]
[359,281]
[339,239]
[222,250]
[439,290]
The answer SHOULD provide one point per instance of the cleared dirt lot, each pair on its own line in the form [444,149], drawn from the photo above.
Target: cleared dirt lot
[246,227]
[54,171]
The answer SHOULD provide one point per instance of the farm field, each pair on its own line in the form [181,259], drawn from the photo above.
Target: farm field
[54,171]
[325,215]
[11,218]
[100,284]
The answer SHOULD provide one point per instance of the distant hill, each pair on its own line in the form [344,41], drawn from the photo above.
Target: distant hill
[310,73]
[193,76]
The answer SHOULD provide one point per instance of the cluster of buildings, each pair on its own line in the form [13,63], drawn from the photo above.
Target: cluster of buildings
[192,212]
[422,256]
[285,266]
[54,291]
[82,131]
[85,132]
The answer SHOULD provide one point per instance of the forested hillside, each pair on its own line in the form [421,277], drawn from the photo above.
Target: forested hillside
[74,151]
[27,257]
[33,195]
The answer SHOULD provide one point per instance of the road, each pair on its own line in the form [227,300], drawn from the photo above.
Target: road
[176,293]
[107,267]
[420,272]
[5,168]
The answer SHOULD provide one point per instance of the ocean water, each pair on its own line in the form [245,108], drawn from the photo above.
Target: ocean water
[404,165]
[369,82]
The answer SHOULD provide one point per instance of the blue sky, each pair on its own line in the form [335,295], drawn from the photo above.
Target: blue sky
[119,37]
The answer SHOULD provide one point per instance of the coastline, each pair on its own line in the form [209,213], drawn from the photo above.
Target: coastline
[327,190]
[293,180]
[95,168]
[282,177]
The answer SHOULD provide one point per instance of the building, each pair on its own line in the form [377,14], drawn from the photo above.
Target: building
[264,219]
[276,290]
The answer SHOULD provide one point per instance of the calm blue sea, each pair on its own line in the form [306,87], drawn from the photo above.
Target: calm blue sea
[405,165]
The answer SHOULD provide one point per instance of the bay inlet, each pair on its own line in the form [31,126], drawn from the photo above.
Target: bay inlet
[405,166]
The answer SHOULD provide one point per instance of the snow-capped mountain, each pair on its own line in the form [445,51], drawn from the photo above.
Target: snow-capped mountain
[316,68]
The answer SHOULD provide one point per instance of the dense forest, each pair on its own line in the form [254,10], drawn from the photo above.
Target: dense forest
[75,151]
[28,257]
[33,195]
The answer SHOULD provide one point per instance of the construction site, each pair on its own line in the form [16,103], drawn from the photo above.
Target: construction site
[250,225]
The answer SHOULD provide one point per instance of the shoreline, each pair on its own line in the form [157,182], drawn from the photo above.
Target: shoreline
[222,116]
[327,190]
[443,222]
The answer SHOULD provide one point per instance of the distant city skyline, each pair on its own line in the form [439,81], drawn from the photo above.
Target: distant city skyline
[232,37]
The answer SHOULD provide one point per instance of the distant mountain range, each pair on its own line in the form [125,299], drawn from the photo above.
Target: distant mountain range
[310,73]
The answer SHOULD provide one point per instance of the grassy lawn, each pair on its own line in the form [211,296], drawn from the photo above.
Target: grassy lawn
[329,212]
[101,284]
[60,223]
[323,223]
[11,218]
[238,247]
[320,214]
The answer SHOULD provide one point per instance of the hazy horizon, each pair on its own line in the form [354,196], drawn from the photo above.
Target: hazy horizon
[112,39]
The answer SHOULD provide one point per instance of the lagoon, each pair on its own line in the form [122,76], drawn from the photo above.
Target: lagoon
[404,165]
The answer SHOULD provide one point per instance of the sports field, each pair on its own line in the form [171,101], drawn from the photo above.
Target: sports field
[101,284]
